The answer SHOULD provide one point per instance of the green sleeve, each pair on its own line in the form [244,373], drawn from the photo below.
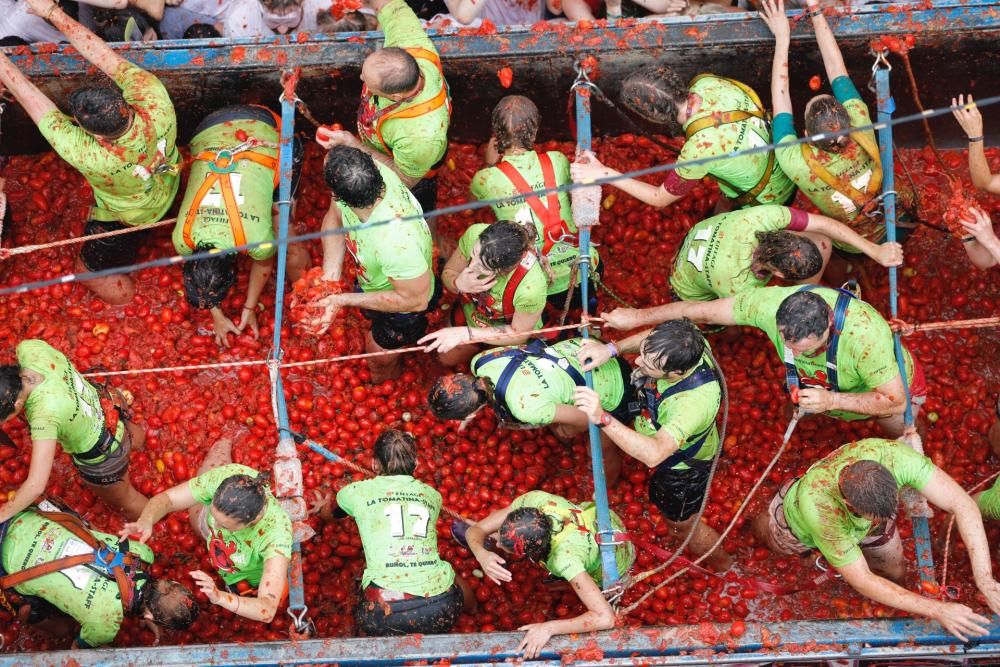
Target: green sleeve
[697,148]
[347,498]
[478,187]
[402,28]
[910,467]
[469,238]
[569,560]
[790,158]
[783,126]
[989,502]
[43,422]
[844,89]
[203,486]
[97,633]
[689,413]
[67,138]
[142,88]
[838,548]
[531,293]
[754,308]
[279,536]
[872,348]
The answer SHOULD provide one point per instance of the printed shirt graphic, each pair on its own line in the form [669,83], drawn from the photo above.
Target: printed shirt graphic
[121,194]
[816,511]
[239,555]
[397,517]
[89,597]
[398,250]
[865,356]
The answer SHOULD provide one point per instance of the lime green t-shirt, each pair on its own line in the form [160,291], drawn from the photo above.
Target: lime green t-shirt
[398,251]
[64,407]
[815,508]
[110,166]
[487,309]
[252,185]
[416,144]
[742,172]
[396,516]
[865,355]
[92,599]
[574,548]
[239,555]
[491,183]
[540,383]
[989,501]
[715,258]
[687,414]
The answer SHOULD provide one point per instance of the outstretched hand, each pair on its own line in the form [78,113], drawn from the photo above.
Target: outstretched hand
[968,116]
[773,14]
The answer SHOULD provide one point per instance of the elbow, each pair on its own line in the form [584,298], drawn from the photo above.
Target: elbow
[268,612]
[606,619]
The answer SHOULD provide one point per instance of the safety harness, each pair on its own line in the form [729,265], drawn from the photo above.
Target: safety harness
[146,165]
[119,564]
[863,202]
[515,356]
[554,228]
[221,164]
[370,120]
[721,118]
[651,399]
[485,303]
[844,298]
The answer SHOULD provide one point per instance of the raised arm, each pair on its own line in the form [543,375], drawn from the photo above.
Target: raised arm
[982,246]
[32,100]
[773,14]
[334,245]
[832,58]
[589,171]
[87,43]
[887,254]
[476,538]
[971,120]
[719,311]
[173,499]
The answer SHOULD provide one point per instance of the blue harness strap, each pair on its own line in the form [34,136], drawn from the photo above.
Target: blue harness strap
[515,356]
[653,399]
[844,298]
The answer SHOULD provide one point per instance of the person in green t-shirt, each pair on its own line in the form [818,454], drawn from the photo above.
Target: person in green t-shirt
[122,141]
[92,598]
[799,321]
[675,434]
[63,409]
[533,386]
[234,166]
[845,506]
[405,105]
[515,168]
[406,587]
[561,537]
[248,534]
[394,260]
[501,288]
[717,116]
[732,252]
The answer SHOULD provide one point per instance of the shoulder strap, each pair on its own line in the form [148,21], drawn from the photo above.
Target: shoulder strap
[527,262]
[701,376]
[726,117]
[842,184]
[549,214]
[397,110]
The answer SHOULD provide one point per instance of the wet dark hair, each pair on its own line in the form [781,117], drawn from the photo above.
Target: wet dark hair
[655,92]
[527,531]
[13,40]
[398,70]
[201,31]
[458,395]
[503,244]
[870,488]
[10,387]
[825,114]
[171,604]
[396,452]
[797,257]
[100,110]
[110,24]
[352,21]
[353,177]
[515,123]
[802,314]
[241,497]
[675,345]
[208,280]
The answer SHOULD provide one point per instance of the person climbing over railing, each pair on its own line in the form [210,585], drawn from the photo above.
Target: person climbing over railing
[675,434]
[561,537]
[515,168]
[841,176]
[63,409]
[406,588]
[51,563]
[740,250]
[845,506]
[248,534]
[532,386]
[501,287]
[971,120]
[717,116]
[405,106]
[122,141]
[229,203]
[394,270]
[981,245]
[837,349]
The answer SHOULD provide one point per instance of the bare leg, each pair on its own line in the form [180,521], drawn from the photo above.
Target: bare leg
[612,460]
[122,496]
[760,530]
[138,435]
[298,261]
[382,368]
[702,540]
[219,454]
[114,290]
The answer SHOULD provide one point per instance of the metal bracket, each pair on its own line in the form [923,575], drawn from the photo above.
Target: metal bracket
[616,537]
[302,624]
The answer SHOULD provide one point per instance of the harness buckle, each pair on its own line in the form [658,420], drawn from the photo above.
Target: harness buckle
[302,624]
[617,537]
[224,162]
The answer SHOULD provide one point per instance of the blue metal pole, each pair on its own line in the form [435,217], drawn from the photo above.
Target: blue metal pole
[886,107]
[608,547]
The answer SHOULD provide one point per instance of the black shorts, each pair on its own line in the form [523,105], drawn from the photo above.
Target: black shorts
[392,331]
[435,615]
[629,408]
[114,467]
[678,493]
[426,190]
[111,252]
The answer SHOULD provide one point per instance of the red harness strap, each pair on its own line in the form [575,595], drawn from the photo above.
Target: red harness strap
[485,304]
[553,226]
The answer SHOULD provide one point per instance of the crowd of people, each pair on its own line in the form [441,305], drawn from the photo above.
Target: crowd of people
[510,278]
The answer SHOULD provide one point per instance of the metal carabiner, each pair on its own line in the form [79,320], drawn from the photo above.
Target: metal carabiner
[880,59]
[299,620]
